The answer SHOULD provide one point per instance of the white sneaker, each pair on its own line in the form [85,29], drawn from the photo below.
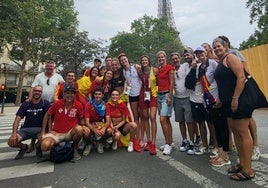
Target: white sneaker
[255,154]
[214,153]
[130,147]
[161,148]
[167,149]
[81,144]
[109,140]
[76,155]
[100,147]
[184,146]
[87,150]
[190,150]
[114,145]
[202,151]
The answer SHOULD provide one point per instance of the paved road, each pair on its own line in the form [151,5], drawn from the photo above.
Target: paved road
[123,169]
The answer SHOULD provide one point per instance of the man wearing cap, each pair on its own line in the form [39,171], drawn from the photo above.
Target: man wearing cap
[189,58]
[181,104]
[97,62]
[67,114]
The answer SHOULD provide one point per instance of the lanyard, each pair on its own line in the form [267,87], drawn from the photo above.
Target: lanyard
[125,75]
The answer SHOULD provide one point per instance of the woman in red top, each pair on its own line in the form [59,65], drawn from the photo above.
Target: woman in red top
[165,78]
[148,103]
[120,120]
[105,84]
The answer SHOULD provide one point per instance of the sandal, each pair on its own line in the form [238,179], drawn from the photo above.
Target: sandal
[241,176]
[220,162]
[234,169]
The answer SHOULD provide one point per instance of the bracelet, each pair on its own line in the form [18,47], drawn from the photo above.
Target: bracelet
[235,97]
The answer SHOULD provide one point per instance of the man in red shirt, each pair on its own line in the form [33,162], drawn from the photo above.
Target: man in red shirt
[69,81]
[67,114]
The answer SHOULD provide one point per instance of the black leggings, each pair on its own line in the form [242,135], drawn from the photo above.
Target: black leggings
[219,119]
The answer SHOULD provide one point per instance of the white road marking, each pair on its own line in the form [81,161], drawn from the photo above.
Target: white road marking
[190,173]
[26,170]
[6,131]
[264,155]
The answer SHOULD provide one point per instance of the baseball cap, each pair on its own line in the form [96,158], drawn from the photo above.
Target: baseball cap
[69,88]
[188,50]
[199,49]
[97,59]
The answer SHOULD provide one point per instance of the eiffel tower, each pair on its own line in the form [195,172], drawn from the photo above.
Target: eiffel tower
[165,10]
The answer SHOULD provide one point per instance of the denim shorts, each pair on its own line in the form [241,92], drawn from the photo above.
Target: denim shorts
[163,108]
[29,132]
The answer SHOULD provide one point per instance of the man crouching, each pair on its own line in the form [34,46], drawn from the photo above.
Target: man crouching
[67,113]
[33,111]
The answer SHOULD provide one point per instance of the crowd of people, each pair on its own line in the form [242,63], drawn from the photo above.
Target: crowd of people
[115,104]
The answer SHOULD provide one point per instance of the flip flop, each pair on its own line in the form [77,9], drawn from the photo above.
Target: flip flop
[241,176]
[234,169]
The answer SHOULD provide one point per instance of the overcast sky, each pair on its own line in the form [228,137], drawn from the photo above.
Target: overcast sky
[197,21]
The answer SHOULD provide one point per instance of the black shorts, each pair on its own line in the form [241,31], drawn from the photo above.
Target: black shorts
[199,112]
[121,129]
[240,114]
[134,99]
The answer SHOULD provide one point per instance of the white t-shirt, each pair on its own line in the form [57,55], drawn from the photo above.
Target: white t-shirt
[133,80]
[48,86]
[179,85]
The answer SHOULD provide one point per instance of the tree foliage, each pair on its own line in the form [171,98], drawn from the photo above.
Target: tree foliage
[148,35]
[40,30]
[258,14]
[73,52]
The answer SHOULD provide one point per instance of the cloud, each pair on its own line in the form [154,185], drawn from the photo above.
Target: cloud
[197,21]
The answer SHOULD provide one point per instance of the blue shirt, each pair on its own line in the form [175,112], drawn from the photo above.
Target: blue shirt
[33,113]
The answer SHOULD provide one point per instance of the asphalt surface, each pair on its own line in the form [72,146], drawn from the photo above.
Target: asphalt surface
[122,169]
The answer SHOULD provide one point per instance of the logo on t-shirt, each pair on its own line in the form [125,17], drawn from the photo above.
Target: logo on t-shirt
[72,113]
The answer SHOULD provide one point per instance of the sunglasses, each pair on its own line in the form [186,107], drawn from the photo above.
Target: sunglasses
[177,74]
[37,91]
[48,82]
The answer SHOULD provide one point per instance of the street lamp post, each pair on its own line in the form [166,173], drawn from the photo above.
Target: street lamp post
[3,66]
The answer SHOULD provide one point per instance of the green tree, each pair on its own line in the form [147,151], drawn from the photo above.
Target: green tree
[31,26]
[72,52]
[258,14]
[148,35]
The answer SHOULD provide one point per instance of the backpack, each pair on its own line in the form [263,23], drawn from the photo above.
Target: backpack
[62,152]
[191,79]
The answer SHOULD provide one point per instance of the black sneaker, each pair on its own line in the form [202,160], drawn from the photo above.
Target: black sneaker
[211,143]
[22,152]
[38,150]
[191,150]
[197,142]
[184,146]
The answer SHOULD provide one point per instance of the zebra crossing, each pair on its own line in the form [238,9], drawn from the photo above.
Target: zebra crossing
[27,166]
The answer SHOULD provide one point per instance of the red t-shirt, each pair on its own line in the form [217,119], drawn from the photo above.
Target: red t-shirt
[117,110]
[65,120]
[91,113]
[163,78]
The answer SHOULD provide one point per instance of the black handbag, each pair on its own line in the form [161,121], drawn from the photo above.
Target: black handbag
[251,97]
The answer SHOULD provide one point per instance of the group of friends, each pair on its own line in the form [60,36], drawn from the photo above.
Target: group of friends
[116,105]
